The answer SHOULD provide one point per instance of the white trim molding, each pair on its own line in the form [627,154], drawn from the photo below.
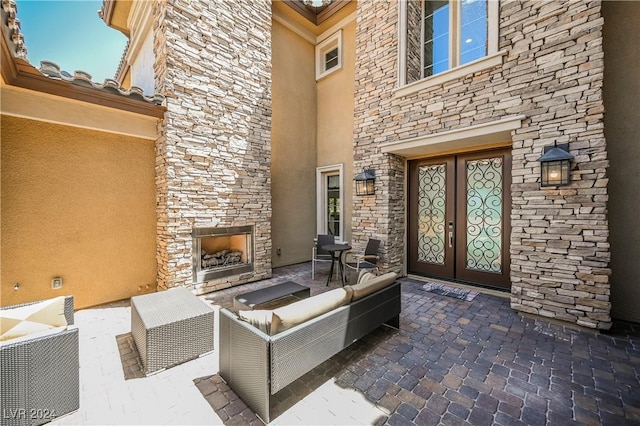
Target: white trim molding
[454,73]
[477,136]
[327,45]
[321,199]
[493,58]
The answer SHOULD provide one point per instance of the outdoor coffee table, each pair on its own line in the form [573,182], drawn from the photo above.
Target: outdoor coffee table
[170,327]
[270,297]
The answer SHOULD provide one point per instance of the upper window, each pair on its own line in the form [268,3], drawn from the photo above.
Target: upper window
[439,36]
[329,55]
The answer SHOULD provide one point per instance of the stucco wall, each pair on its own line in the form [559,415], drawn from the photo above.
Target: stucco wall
[78,204]
[142,67]
[335,120]
[622,129]
[293,147]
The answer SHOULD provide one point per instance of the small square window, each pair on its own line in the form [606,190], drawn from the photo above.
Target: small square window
[329,55]
[331,59]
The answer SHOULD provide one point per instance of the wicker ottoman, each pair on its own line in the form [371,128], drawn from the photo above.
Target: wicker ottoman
[170,327]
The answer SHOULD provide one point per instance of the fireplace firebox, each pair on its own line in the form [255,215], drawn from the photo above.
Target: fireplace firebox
[221,252]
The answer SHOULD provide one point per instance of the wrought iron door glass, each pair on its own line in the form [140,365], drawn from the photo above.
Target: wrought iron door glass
[431,213]
[484,215]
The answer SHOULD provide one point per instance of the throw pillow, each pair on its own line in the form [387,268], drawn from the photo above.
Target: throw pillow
[296,313]
[372,285]
[31,319]
[365,276]
[260,319]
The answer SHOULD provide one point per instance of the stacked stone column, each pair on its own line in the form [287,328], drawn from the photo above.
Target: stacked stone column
[213,63]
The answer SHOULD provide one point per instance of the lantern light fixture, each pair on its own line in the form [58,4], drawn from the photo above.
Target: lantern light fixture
[555,165]
[365,182]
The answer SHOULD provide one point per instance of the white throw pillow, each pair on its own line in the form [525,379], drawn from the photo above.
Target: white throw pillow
[365,276]
[31,319]
[368,286]
[260,319]
[303,310]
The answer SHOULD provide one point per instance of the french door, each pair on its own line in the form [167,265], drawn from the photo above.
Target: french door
[459,217]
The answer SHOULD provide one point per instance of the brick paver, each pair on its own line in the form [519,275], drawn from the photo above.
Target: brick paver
[481,363]
[451,362]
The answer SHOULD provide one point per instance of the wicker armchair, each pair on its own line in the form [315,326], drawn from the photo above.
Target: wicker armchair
[40,376]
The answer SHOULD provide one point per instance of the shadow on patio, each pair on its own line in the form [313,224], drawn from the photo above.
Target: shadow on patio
[452,362]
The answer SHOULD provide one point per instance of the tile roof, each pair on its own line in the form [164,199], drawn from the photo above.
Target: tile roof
[82,78]
[11,24]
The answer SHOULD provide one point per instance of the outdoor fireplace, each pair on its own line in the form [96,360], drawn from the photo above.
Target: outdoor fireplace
[221,252]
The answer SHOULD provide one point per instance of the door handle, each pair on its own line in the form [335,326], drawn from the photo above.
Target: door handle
[450,239]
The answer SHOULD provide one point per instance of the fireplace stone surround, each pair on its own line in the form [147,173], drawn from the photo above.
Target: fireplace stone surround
[213,153]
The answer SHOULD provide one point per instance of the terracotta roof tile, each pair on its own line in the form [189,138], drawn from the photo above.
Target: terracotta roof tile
[53,71]
[82,78]
[13,25]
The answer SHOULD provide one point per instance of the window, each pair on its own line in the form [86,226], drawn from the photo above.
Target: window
[329,55]
[329,181]
[332,216]
[439,37]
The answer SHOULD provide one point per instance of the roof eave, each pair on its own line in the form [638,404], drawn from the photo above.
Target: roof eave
[106,13]
[19,73]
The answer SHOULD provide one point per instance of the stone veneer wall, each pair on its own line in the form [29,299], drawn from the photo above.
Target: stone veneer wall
[213,63]
[552,74]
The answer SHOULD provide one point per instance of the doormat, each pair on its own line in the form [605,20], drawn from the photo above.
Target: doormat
[445,290]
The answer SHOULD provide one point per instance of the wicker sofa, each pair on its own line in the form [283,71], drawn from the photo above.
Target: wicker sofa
[258,363]
[40,375]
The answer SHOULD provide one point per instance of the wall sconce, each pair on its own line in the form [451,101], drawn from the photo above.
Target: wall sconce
[364,182]
[555,165]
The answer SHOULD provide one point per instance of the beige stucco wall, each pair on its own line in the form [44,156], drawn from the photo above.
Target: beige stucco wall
[335,119]
[78,204]
[622,127]
[293,150]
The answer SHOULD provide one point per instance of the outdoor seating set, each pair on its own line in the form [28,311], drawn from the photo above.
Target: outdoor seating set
[326,250]
[275,335]
[262,351]
[39,349]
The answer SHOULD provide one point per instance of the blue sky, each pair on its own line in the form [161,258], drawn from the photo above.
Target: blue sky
[71,34]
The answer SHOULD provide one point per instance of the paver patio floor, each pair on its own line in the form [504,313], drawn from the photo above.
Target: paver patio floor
[451,362]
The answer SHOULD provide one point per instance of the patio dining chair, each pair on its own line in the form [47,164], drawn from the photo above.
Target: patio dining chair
[320,255]
[367,259]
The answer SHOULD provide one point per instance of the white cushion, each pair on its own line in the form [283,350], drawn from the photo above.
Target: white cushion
[296,313]
[32,319]
[260,319]
[368,285]
[365,276]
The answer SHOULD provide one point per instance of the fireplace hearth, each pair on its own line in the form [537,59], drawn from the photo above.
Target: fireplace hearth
[221,252]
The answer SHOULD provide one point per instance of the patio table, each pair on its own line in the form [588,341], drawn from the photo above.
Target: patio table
[171,327]
[336,251]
